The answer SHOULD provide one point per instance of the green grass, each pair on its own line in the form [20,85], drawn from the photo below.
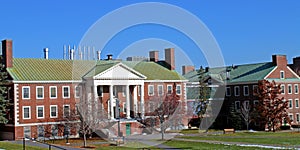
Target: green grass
[7,145]
[277,138]
[203,146]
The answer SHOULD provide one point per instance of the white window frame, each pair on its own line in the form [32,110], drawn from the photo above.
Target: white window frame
[64,110]
[290,89]
[158,90]
[29,112]
[296,103]
[235,91]
[37,93]
[246,86]
[255,102]
[28,92]
[56,110]
[51,87]
[297,117]
[151,86]
[180,91]
[170,90]
[235,105]
[282,74]
[290,103]
[296,88]
[124,108]
[247,103]
[63,92]
[228,93]
[282,87]
[37,112]
[292,118]
[78,92]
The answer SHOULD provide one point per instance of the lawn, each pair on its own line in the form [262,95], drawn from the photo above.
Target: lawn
[277,138]
[200,145]
[7,145]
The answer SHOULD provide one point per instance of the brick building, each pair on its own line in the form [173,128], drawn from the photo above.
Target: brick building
[46,92]
[241,83]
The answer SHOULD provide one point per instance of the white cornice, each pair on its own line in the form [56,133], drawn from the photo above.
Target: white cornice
[166,80]
[270,72]
[44,123]
[52,81]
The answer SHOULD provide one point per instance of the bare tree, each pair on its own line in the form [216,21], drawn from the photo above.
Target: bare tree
[246,113]
[271,107]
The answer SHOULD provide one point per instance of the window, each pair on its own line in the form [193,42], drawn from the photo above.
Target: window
[27,132]
[53,92]
[291,117]
[169,89]
[236,91]
[54,129]
[150,90]
[296,89]
[39,112]
[281,74]
[297,117]
[246,103]
[40,131]
[255,89]
[53,111]
[26,92]
[282,89]
[237,105]
[66,91]
[66,110]
[246,90]
[26,112]
[297,103]
[160,90]
[151,107]
[99,91]
[78,91]
[255,102]
[228,91]
[289,89]
[178,89]
[290,103]
[39,92]
[124,108]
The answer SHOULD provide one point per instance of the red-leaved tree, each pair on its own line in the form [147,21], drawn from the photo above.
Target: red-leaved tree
[271,107]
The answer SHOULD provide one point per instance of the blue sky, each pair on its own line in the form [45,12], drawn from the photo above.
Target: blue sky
[246,32]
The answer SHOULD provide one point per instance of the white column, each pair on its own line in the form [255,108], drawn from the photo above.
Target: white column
[95,103]
[142,102]
[111,97]
[127,102]
[135,97]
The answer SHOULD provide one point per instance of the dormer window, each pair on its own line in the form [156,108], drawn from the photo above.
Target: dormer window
[281,74]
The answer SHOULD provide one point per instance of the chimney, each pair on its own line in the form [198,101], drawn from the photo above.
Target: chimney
[187,69]
[170,58]
[72,54]
[279,60]
[109,56]
[98,55]
[7,53]
[153,56]
[46,50]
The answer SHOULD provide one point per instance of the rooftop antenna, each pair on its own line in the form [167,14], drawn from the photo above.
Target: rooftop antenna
[65,51]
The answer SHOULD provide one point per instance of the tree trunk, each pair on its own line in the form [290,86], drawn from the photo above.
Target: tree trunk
[84,140]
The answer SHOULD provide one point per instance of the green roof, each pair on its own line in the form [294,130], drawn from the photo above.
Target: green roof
[238,73]
[59,70]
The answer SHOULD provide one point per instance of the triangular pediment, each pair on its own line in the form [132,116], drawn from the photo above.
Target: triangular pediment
[120,72]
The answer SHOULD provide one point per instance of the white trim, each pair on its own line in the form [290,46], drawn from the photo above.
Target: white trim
[166,81]
[50,81]
[169,85]
[235,105]
[63,94]
[180,89]
[23,92]
[36,92]
[45,123]
[55,92]
[16,103]
[296,99]
[293,72]
[292,118]
[290,103]
[282,71]
[162,90]
[282,85]
[239,91]
[296,85]
[28,112]
[297,117]
[37,112]
[75,92]
[149,90]
[270,72]
[51,112]
[288,90]
[64,110]
[228,94]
